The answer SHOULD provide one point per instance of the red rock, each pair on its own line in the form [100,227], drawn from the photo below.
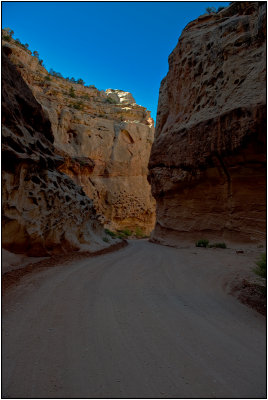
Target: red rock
[208,161]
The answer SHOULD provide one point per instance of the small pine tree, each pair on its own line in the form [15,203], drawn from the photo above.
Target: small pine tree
[80,81]
[35,54]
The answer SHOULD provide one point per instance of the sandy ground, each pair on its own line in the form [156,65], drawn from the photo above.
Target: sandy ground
[145,321]
[11,261]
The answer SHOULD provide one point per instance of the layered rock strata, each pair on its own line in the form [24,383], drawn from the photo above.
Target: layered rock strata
[43,210]
[107,138]
[208,161]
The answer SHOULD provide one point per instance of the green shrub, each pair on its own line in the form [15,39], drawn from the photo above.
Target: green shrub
[218,245]
[56,74]
[7,38]
[126,232]
[78,106]
[202,243]
[261,266]
[121,235]
[47,78]
[71,92]
[211,10]
[105,239]
[139,233]
[111,100]
[110,233]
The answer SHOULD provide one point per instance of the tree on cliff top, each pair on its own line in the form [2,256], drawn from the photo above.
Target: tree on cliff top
[80,81]
[211,10]
[8,31]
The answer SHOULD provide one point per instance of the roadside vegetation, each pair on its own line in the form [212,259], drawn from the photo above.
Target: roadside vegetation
[205,243]
[126,233]
[261,268]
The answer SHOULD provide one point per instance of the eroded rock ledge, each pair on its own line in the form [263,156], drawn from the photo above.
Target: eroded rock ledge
[208,161]
[43,211]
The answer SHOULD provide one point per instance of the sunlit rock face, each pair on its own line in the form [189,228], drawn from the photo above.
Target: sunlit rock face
[43,210]
[107,138]
[208,161]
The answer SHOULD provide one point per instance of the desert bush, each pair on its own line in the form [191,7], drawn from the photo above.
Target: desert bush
[110,233]
[7,38]
[211,10]
[139,233]
[47,78]
[120,235]
[78,106]
[71,92]
[35,54]
[202,243]
[56,74]
[218,245]
[80,81]
[105,239]
[261,266]
[110,100]
[125,232]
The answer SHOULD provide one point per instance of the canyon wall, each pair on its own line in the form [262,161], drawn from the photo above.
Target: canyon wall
[208,161]
[106,138]
[43,210]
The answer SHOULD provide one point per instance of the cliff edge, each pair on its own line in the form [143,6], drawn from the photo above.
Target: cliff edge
[106,139]
[208,161]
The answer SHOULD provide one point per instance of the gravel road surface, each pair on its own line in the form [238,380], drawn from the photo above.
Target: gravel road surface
[147,321]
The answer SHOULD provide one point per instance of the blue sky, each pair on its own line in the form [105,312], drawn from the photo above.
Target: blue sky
[118,45]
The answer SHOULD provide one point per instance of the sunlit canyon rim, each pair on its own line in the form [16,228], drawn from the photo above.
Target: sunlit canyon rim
[75,159]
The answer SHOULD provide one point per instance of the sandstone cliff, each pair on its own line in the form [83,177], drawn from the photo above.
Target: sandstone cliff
[208,161]
[43,210]
[107,138]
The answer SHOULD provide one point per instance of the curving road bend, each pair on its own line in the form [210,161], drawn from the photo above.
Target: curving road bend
[147,321]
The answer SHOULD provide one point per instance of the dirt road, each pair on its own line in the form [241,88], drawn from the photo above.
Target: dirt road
[146,321]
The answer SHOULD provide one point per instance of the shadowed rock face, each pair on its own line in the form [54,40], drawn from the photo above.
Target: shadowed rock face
[43,210]
[108,130]
[208,161]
